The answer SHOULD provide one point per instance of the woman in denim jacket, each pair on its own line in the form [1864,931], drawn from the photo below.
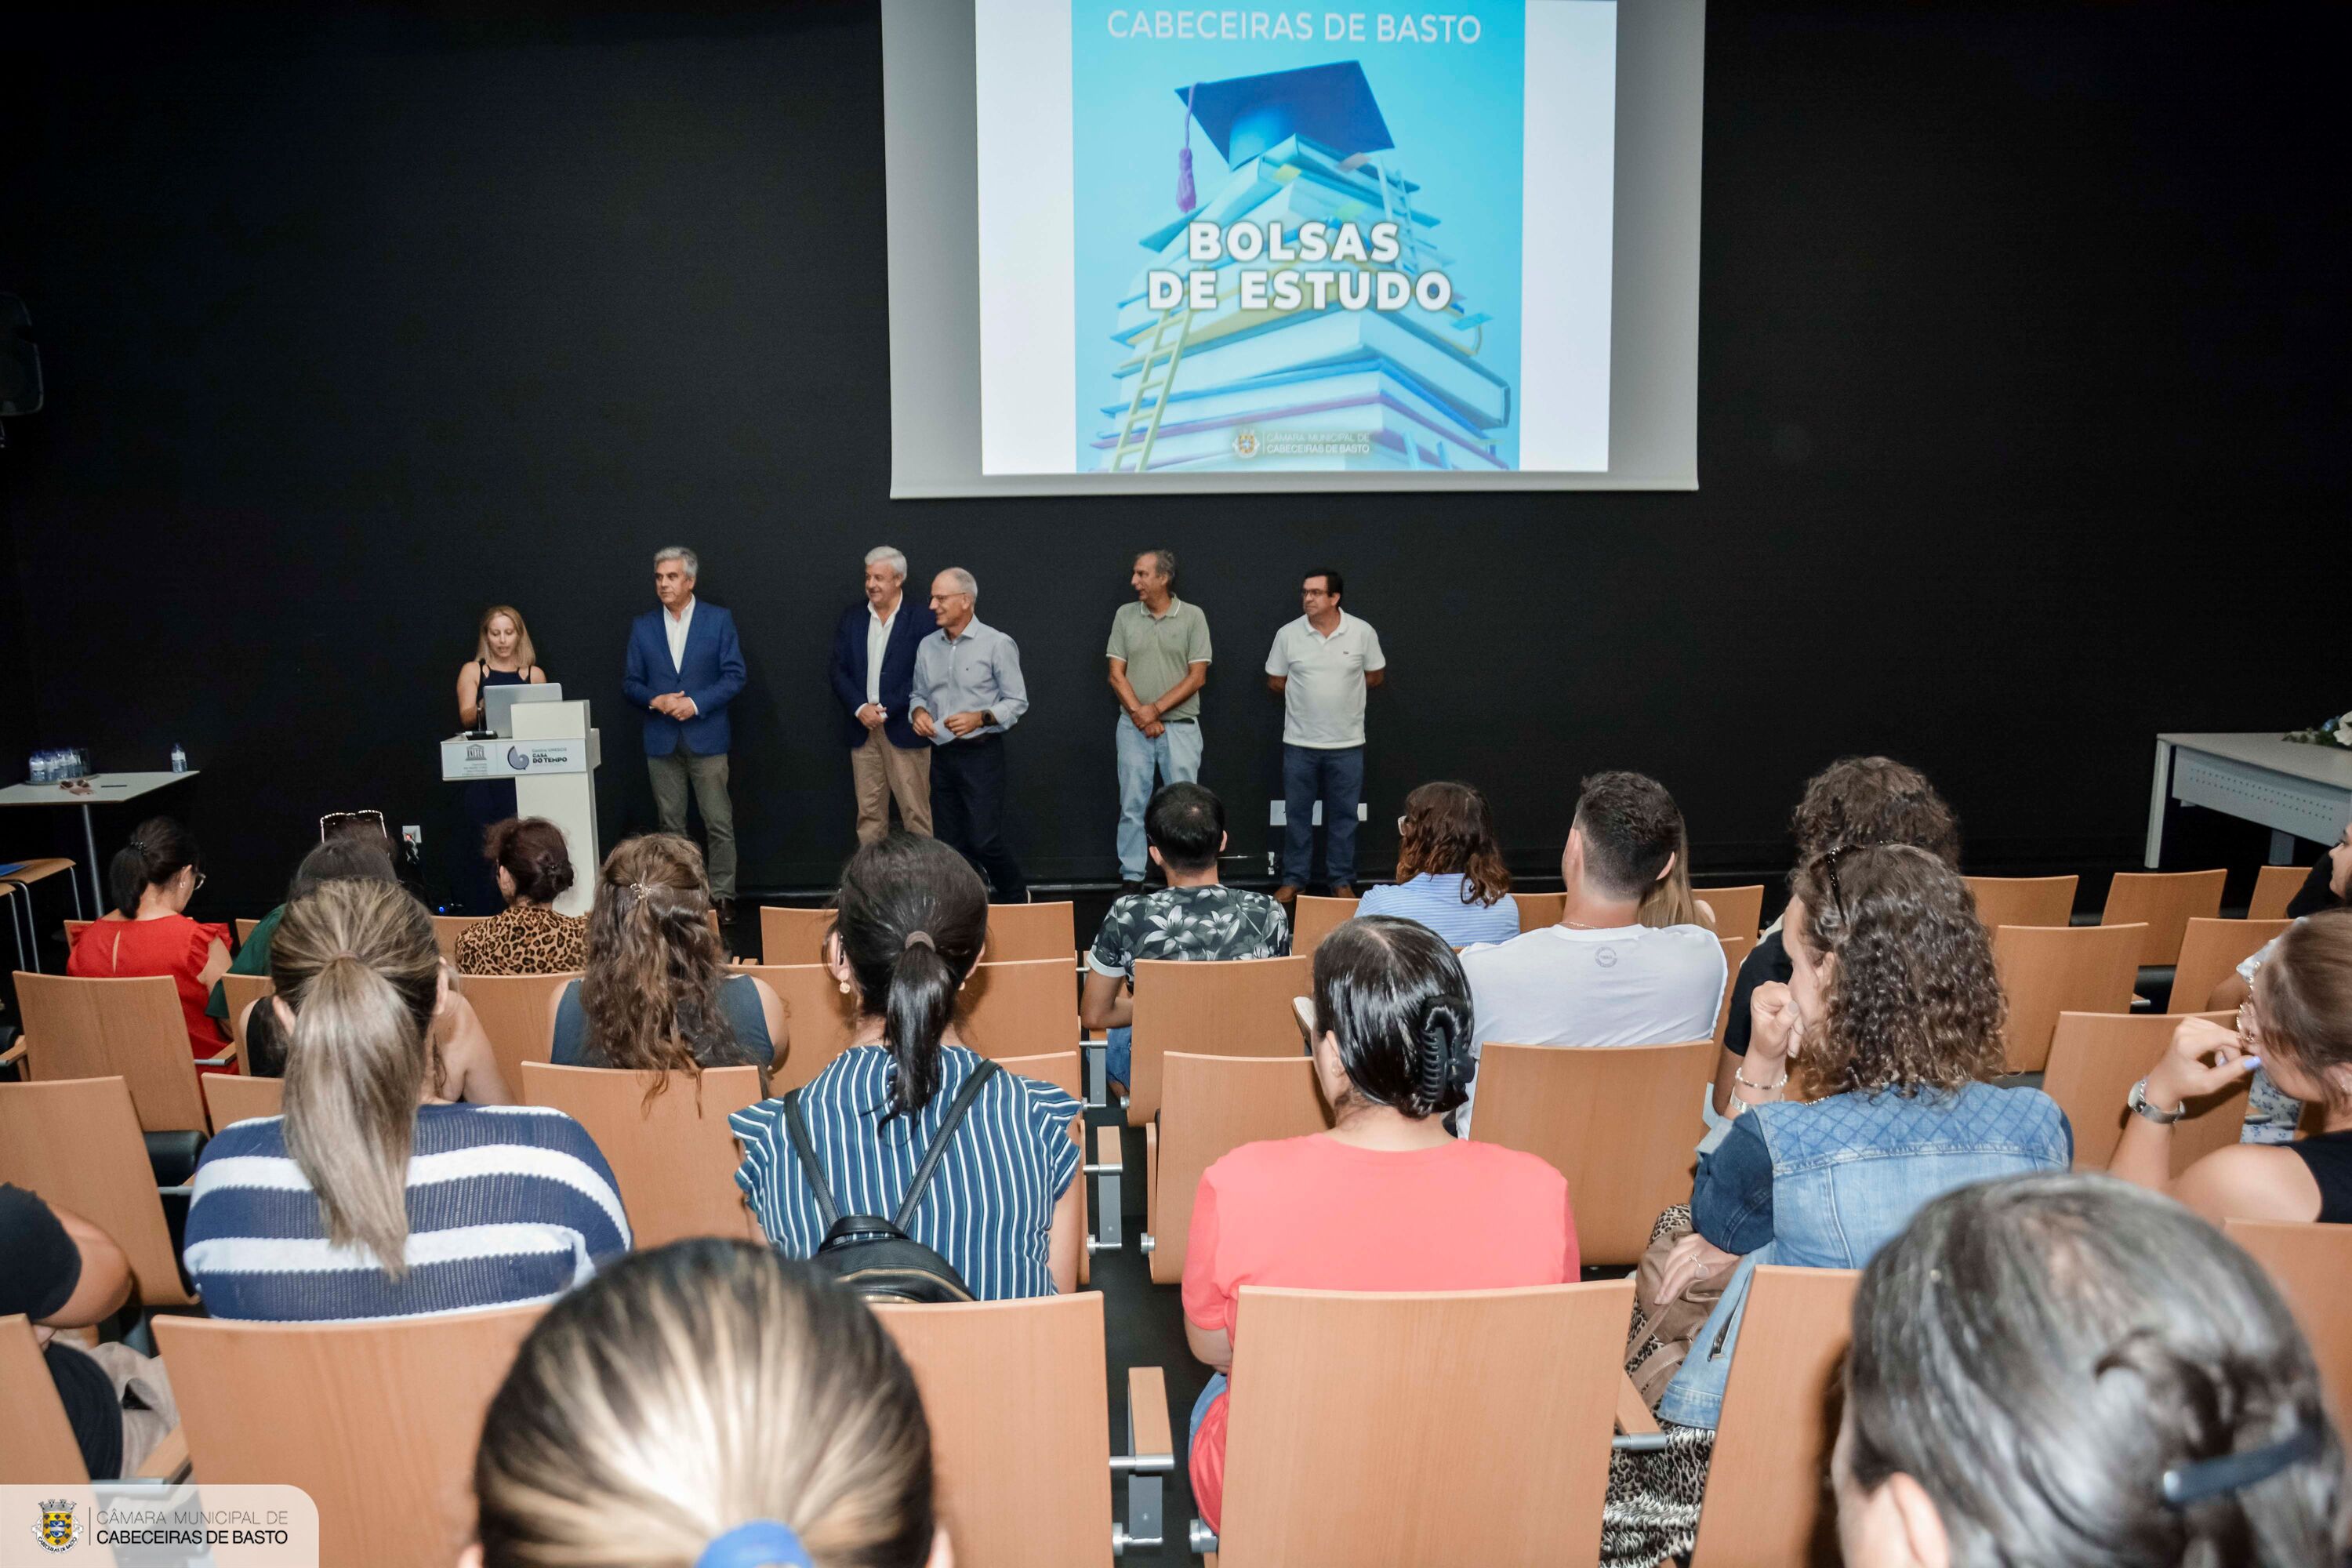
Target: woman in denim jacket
[1895,1015]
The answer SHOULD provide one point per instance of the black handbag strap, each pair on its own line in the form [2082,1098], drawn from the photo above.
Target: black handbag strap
[828,1212]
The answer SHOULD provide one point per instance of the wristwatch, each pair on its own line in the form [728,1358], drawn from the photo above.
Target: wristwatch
[2140,1107]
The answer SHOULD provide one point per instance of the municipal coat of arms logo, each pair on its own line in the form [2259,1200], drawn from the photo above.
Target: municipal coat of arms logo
[1245,444]
[58,1530]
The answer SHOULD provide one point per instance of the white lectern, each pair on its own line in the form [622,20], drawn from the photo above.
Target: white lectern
[553,759]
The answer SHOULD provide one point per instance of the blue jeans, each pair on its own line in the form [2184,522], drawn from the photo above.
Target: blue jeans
[1174,755]
[1336,778]
[1201,1406]
[1118,1053]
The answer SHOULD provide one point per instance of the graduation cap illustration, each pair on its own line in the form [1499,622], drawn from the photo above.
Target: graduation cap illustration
[1243,116]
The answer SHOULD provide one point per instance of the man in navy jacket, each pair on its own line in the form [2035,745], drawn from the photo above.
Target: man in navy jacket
[873,666]
[685,668]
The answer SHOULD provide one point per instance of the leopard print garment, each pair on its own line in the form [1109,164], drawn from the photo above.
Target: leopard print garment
[529,939]
[1652,1512]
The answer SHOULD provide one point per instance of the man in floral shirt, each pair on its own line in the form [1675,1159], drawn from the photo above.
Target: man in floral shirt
[1193,916]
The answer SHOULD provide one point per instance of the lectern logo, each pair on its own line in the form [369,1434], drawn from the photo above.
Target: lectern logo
[57,1531]
[477,755]
[518,759]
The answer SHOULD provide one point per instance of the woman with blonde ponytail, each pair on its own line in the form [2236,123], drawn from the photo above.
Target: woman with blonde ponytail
[365,1199]
[1002,1206]
[709,1403]
[1386,1200]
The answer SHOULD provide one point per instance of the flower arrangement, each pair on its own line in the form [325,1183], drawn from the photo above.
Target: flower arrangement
[2335,732]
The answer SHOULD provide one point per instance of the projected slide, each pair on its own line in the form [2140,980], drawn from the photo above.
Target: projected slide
[1296,240]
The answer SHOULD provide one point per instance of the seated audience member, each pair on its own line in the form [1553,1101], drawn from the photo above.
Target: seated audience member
[152,879]
[707,1402]
[2272,1115]
[2297,1026]
[1894,1014]
[63,1272]
[1854,801]
[1670,902]
[1193,916]
[1450,873]
[2062,1371]
[534,869]
[420,1207]
[1601,977]
[353,850]
[656,994]
[1002,1206]
[1386,1200]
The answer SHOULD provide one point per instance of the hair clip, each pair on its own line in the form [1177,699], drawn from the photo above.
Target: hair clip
[2194,1483]
[762,1543]
[923,937]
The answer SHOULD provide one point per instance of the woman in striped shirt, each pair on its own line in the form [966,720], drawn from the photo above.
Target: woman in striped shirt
[1450,873]
[1002,1207]
[364,1200]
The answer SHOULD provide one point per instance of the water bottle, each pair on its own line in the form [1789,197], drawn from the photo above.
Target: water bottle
[179,758]
[40,773]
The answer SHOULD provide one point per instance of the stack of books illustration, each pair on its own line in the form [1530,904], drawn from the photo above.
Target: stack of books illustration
[1203,390]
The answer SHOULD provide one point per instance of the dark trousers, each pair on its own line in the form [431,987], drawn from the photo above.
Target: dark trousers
[968,811]
[1335,777]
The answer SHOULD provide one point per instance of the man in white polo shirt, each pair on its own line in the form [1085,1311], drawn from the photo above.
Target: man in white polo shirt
[1321,666]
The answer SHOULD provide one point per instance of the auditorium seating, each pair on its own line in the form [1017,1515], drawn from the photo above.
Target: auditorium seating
[2023,900]
[1735,950]
[1468,1427]
[2309,1264]
[1738,911]
[517,1014]
[1313,918]
[1539,910]
[1016,1393]
[672,1155]
[1209,1106]
[232,1097]
[245,930]
[74,930]
[1017,932]
[1230,1007]
[2210,951]
[2274,887]
[447,928]
[2165,902]
[23,922]
[1019,1008]
[792,935]
[819,1019]
[240,992]
[2096,1058]
[1768,1504]
[2050,969]
[377,1421]
[132,1029]
[1621,1123]
[76,1143]
[40,1449]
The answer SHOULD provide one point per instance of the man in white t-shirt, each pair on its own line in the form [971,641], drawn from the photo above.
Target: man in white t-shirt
[1321,666]
[1601,977]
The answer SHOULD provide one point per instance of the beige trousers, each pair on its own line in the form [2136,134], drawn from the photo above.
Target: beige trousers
[881,771]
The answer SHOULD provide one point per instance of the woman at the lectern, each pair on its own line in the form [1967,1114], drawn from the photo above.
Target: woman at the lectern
[502,657]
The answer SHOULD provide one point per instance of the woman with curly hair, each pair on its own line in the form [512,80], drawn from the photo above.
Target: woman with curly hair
[655,991]
[1449,872]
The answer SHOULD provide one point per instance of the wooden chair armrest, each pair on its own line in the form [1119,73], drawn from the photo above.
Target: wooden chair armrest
[169,1460]
[227,1058]
[1634,1417]
[1150,1446]
[14,1053]
[1109,1157]
[1151,1178]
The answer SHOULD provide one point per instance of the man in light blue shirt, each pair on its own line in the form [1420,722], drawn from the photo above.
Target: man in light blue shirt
[967,692]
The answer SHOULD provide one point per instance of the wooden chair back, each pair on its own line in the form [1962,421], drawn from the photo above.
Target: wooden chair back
[1738,911]
[1017,1394]
[40,1449]
[447,928]
[241,991]
[1735,950]
[1536,909]
[517,1014]
[130,1029]
[1308,1426]
[1621,1123]
[1312,920]
[232,1097]
[1227,1007]
[76,1143]
[672,1155]
[377,1421]
[2275,888]
[2165,902]
[245,930]
[793,936]
[1767,1505]
[1209,1106]
[1018,933]
[2050,969]
[2023,900]
[1019,1008]
[2096,1058]
[74,929]
[2210,952]
[2309,1264]
[819,1020]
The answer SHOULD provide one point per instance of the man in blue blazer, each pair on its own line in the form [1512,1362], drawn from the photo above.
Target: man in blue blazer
[685,668]
[873,666]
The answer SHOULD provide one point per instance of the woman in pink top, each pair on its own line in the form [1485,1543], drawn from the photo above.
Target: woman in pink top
[1387,1200]
[152,879]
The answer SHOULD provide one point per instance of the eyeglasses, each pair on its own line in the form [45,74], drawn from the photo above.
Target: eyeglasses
[2250,1024]
[336,822]
[1400,822]
[1828,869]
[199,887]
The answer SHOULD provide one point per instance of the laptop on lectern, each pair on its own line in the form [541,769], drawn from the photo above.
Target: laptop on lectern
[498,704]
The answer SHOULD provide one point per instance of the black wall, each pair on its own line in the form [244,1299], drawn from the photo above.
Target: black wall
[2021,431]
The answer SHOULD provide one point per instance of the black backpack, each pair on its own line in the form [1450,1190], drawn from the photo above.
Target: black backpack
[876,1256]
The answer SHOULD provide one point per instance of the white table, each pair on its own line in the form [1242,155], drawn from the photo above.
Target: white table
[105,789]
[2295,791]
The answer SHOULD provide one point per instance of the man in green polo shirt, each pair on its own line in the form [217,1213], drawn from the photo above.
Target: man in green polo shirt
[1158,661]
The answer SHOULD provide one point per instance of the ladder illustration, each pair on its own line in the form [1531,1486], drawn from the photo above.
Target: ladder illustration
[1399,211]
[1141,427]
